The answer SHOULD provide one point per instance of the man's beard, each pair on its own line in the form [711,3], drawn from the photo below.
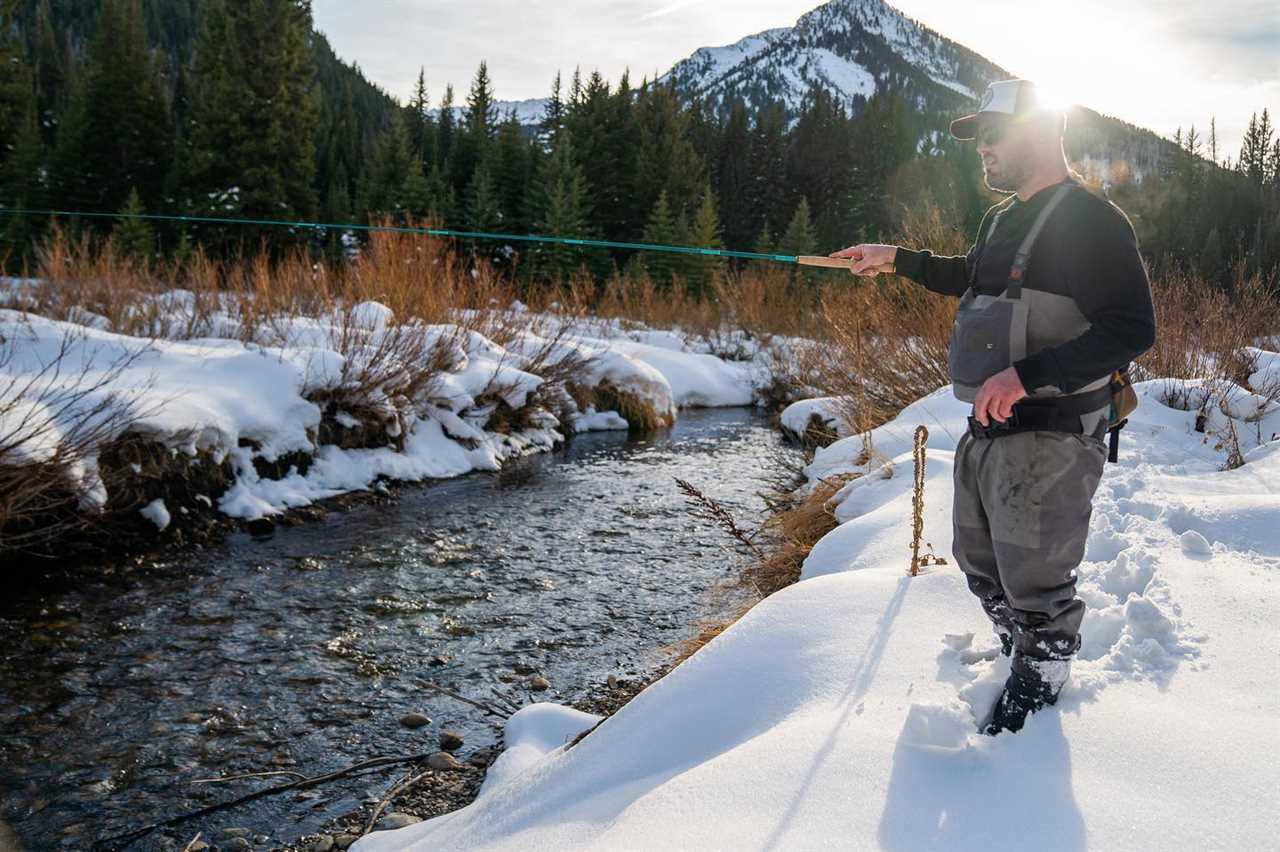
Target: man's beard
[1004,179]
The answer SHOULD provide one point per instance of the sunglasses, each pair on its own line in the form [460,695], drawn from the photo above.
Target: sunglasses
[991,132]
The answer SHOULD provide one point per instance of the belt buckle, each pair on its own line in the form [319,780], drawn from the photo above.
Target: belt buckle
[979,431]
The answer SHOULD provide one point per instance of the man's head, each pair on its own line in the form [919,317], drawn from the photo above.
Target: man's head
[1017,133]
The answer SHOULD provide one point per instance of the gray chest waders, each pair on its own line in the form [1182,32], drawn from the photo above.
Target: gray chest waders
[991,333]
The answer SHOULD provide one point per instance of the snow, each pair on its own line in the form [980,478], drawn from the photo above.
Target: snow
[797,416]
[787,62]
[214,393]
[598,421]
[156,513]
[841,75]
[696,380]
[842,712]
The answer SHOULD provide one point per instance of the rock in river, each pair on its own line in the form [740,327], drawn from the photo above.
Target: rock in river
[395,820]
[415,720]
[443,760]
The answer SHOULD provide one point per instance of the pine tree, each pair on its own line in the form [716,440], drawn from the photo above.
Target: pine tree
[552,115]
[484,211]
[445,131]
[733,179]
[511,174]
[622,216]
[665,159]
[21,187]
[766,163]
[17,95]
[416,199]
[116,134]
[1213,139]
[1192,143]
[575,90]
[592,120]
[661,229]
[800,237]
[884,141]
[132,235]
[441,200]
[51,72]
[338,206]
[1210,261]
[253,117]
[417,120]
[561,210]
[481,116]
[479,121]
[1253,149]
[389,169]
[703,270]
[765,243]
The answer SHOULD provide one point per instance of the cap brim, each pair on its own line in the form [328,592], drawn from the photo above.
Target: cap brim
[965,128]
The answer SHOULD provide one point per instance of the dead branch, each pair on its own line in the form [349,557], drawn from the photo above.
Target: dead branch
[707,509]
[121,841]
[395,789]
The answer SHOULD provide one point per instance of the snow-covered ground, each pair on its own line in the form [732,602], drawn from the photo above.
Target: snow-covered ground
[198,387]
[840,712]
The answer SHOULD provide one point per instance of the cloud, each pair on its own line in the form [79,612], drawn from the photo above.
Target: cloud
[668,9]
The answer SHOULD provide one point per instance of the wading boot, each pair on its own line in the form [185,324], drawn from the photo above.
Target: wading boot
[1006,641]
[1032,685]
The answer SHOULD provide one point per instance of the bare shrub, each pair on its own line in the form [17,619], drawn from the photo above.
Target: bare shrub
[53,422]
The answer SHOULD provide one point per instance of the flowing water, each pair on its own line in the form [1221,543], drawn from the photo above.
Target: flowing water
[302,652]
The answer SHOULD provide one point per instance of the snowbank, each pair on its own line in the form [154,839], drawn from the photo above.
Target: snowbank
[200,389]
[840,712]
[822,412]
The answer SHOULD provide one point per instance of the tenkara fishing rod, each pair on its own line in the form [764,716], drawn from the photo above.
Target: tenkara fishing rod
[802,260]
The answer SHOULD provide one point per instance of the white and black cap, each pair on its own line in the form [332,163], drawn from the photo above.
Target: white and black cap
[1017,99]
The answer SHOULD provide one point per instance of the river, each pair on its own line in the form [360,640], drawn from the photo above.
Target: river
[302,651]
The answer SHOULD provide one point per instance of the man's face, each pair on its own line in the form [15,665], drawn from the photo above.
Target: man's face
[1006,151]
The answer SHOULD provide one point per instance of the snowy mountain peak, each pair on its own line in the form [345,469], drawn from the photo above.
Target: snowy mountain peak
[852,48]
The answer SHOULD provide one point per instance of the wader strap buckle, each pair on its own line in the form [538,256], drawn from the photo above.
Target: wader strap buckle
[1017,273]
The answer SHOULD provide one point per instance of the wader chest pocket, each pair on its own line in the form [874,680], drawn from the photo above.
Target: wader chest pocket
[980,341]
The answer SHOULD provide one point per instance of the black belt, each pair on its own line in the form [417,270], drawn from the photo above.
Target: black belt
[1055,413]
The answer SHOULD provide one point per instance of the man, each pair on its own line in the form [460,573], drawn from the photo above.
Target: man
[1054,299]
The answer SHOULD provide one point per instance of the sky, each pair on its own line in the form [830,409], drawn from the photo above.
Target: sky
[1160,64]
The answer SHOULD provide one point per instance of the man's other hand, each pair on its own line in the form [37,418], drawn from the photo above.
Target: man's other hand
[869,258]
[997,395]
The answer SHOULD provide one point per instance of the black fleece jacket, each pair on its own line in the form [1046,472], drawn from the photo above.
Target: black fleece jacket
[1087,251]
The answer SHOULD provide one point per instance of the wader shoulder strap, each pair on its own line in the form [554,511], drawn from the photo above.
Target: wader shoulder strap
[984,236]
[1019,270]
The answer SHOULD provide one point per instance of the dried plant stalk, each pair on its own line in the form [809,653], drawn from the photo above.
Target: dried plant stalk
[917,508]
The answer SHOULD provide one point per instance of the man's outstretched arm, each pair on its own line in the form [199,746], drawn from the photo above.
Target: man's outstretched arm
[944,274]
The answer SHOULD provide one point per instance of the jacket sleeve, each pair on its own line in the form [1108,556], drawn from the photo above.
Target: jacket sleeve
[944,274]
[1109,284]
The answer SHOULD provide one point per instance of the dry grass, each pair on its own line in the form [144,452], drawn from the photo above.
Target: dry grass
[1203,332]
